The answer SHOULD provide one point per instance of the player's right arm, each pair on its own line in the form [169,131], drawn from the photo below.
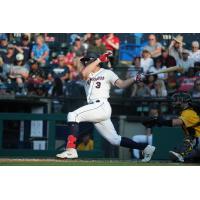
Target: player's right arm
[91,67]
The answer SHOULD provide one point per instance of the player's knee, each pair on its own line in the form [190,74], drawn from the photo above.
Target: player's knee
[71,117]
[115,141]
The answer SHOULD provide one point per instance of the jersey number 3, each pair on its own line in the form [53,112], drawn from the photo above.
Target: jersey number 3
[98,84]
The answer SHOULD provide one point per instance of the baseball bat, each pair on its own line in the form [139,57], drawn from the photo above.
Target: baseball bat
[167,70]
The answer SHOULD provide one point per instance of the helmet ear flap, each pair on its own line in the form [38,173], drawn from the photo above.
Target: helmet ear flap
[87,60]
[84,61]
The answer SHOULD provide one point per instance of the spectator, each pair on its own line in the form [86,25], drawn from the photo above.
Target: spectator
[196,89]
[153,46]
[87,143]
[25,47]
[185,61]
[195,53]
[187,82]
[3,44]
[78,47]
[158,66]
[54,59]
[79,50]
[146,60]
[74,73]
[98,47]
[3,76]
[197,68]
[159,89]
[40,51]
[3,86]
[166,59]
[150,81]
[69,58]
[36,79]
[111,43]
[171,83]
[88,40]
[59,75]
[9,57]
[140,90]
[18,74]
[147,137]
[176,48]
[134,68]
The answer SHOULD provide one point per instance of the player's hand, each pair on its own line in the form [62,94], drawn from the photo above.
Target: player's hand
[149,123]
[139,77]
[154,121]
[104,57]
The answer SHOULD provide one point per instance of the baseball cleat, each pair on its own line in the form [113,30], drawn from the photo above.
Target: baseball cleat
[70,153]
[176,156]
[148,153]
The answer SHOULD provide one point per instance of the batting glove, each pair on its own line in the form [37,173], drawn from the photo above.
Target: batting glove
[149,123]
[104,57]
[139,77]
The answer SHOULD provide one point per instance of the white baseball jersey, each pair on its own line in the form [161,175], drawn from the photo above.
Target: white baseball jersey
[97,87]
[98,84]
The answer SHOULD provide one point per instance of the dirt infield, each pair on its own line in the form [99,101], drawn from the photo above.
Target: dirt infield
[85,162]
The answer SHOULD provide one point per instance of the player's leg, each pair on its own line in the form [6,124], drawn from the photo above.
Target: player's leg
[185,150]
[90,113]
[107,130]
[141,139]
[138,139]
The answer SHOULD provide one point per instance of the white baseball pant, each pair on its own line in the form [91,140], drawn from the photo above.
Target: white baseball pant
[99,112]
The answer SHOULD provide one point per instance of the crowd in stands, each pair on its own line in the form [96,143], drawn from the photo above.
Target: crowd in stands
[154,57]
[28,66]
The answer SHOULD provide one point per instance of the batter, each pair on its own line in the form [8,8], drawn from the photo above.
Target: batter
[98,82]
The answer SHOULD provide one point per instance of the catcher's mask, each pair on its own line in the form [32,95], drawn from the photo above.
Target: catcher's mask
[180,100]
[89,58]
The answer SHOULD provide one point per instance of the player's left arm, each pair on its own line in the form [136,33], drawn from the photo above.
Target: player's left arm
[126,83]
[160,121]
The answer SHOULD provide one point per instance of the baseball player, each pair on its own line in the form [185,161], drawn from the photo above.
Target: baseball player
[98,82]
[189,120]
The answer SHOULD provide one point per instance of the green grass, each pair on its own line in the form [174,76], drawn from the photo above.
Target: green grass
[86,162]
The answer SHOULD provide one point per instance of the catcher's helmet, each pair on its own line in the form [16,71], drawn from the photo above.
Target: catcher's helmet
[89,58]
[181,97]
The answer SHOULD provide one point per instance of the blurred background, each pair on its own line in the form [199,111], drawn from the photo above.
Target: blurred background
[40,83]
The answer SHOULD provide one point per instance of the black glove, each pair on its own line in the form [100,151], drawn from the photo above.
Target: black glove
[149,123]
[159,121]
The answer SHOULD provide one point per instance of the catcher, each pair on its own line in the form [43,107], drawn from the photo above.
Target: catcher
[189,120]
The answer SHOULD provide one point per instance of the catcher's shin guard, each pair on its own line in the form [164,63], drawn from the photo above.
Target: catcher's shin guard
[187,148]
